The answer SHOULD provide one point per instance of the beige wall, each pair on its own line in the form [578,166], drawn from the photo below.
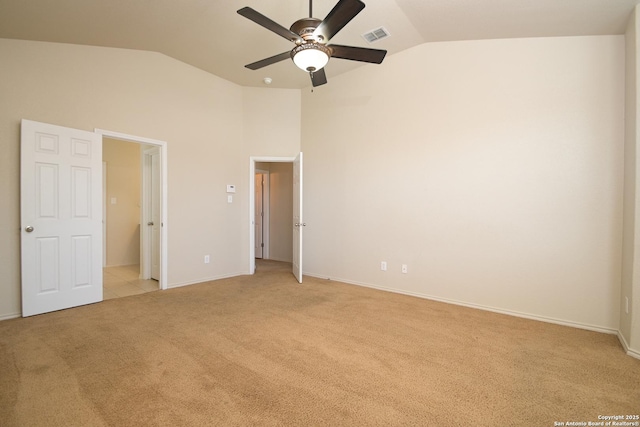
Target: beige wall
[271,128]
[209,125]
[634,117]
[271,124]
[123,216]
[630,322]
[493,169]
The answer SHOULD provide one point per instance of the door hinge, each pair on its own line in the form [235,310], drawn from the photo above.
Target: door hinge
[262,245]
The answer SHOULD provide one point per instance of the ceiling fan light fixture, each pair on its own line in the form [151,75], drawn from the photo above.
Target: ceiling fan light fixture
[311,57]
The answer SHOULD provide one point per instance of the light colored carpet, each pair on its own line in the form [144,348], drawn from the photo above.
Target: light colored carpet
[264,350]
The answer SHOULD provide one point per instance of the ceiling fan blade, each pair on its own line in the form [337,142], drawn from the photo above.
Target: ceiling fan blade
[363,54]
[268,61]
[267,23]
[343,12]
[318,78]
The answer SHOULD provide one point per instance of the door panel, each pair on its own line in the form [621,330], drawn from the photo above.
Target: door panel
[61,237]
[48,256]
[259,215]
[150,239]
[155,214]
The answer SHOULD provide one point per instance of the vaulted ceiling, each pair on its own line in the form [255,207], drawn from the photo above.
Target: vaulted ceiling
[210,35]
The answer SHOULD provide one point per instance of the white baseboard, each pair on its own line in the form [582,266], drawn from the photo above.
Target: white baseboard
[625,345]
[204,279]
[9,316]
[477,306]
[277,259]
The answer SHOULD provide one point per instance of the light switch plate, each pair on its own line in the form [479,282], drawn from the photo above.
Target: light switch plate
[231,188]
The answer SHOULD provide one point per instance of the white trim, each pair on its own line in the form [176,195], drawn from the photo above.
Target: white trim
[634,354]
[476,306]
[623,341]
[129,138]
[10,316]
[104,213]
[625,345]
[164,242]
[205,279]
[252,206]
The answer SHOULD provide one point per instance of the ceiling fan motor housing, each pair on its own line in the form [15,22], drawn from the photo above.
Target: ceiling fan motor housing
[305,28]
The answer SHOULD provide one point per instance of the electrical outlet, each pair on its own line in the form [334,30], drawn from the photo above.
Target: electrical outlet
[383,266]
[404,268]
[626,305]
[207,259]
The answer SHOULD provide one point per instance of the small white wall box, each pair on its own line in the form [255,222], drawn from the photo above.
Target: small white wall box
[231,188]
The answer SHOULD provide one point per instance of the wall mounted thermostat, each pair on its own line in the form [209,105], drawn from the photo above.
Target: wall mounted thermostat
[231,188]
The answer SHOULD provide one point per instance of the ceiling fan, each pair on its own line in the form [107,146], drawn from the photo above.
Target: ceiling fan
[311,36]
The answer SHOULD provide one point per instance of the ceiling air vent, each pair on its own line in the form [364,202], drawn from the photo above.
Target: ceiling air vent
[375,35]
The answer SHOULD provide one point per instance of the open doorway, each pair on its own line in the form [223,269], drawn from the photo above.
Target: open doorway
[285,195]
[131,218]
[135,214]
[273,207]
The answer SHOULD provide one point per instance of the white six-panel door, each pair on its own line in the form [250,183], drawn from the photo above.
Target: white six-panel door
[259,215]
[298,223]
[151,213]
[61,217]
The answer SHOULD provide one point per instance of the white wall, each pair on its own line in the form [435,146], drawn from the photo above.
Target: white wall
[493,169]
[206,121]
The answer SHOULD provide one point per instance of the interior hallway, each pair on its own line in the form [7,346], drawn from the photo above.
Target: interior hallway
[124,280]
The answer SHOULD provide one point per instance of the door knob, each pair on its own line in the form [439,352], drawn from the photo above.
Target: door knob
[28,229]
[150,223]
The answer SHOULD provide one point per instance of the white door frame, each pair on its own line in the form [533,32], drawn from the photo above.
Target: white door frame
[104,214]
[252,207]
[163,192]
